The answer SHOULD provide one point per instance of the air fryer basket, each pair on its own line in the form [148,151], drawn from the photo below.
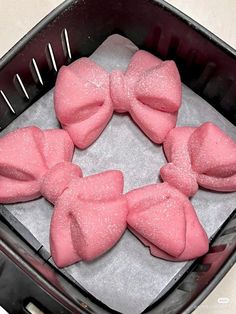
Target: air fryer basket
[28,71]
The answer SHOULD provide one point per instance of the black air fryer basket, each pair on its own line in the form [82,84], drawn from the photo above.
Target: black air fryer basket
[76,28]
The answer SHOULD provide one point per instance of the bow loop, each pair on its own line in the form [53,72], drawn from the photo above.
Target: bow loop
[97,235]
[160,87]
[21,172]
[88,219]
[155,212]
[162,218]
[82,102]
[141,61]
[203,155]
[83,82]
[212,152]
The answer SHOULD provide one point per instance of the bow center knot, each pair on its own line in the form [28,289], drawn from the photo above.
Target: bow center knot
[184,180]
[57,179]
[119,91]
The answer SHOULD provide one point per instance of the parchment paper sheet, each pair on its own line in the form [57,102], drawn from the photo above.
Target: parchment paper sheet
[127,278]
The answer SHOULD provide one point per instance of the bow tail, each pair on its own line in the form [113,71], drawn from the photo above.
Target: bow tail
[154,123]
[154,250]
[84,133]
[170,227]
[84,230]
[97,226]
[196,240]
[162,225]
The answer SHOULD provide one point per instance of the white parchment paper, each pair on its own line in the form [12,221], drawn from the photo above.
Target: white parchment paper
[127,278]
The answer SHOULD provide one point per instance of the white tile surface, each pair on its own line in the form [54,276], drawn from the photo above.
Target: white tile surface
[2,311]
[219,16]
[18,16]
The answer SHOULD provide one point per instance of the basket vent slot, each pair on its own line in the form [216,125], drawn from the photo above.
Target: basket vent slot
[2,266]
[7,102]
[153,39]
[191,58]
[229,231]
[51,58]
[187,287]
[35,72]
[66,44]
[20,86]
[173,47]
[205,76]
[217,248]
[202,268]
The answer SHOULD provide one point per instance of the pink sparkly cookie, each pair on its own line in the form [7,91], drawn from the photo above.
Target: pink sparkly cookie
[86,96]
[90,213]
[165,221]
[26,155]
[203,156]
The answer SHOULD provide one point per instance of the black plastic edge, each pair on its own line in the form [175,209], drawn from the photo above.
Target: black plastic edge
[212,284]
[67,3]
[24,266]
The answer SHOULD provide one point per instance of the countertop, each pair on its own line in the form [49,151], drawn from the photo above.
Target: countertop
[18,16]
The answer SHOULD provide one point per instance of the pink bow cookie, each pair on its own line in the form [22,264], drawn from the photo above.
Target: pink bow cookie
[86,96]
[203,156]
[90,213]
[165,221]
